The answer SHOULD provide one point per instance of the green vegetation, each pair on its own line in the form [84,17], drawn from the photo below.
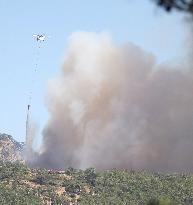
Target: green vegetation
[22,185]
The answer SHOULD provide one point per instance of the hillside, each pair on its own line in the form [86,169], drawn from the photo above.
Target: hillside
[10,149]
[21,185]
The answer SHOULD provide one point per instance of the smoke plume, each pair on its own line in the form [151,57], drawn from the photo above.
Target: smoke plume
[113,107]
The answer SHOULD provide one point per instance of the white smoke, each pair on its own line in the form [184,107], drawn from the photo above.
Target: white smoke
[113,107]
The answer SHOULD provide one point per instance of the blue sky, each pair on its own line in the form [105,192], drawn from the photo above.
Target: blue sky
[137,21]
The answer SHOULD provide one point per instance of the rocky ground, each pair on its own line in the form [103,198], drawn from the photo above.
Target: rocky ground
[10,149]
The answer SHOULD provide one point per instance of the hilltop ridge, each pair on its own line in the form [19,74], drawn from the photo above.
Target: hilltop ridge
[10,149]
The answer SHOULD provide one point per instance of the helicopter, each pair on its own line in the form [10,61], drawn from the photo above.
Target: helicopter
[40,37]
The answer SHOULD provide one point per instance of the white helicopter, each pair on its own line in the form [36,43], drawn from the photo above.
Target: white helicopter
[40,37]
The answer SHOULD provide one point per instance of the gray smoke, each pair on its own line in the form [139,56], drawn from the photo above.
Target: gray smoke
[113,107]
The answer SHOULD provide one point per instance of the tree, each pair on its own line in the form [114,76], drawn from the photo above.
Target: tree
[181,5]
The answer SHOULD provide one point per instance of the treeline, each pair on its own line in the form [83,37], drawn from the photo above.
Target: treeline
[21,185]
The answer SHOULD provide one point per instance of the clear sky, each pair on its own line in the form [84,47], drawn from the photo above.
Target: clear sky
[137,21]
